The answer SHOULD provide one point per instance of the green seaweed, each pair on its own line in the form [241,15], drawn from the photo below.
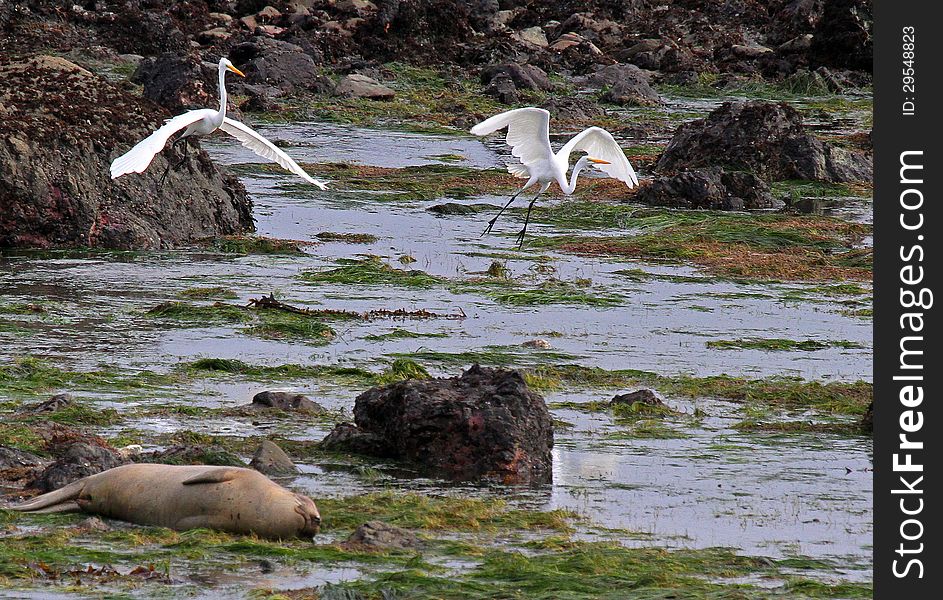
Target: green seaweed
[779,344]
[370,271]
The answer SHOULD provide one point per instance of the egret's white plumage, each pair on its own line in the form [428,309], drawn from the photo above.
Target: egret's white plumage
[203,122]
[528,135]
[137,159]
[264,148]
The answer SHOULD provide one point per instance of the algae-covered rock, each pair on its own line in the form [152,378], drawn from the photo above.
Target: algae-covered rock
[766,138]
[60,128]
[484,425]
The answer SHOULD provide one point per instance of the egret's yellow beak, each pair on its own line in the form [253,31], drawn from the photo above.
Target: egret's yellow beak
[599,161]
[236,71]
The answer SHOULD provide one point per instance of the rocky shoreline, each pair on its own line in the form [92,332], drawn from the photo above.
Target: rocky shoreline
[308,52]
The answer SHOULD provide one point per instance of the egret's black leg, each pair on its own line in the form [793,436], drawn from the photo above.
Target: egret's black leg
[170,164]
[520,236]
[495,219]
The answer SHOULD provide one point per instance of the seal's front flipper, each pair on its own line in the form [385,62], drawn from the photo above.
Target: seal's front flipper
[213,475]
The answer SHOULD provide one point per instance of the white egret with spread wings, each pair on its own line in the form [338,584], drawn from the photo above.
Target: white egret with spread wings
[203,122]
[529,137]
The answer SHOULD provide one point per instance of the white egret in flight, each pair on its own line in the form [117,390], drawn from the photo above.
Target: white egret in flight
[529,138]
[203,122]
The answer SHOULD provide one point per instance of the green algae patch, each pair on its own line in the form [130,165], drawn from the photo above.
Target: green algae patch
[426,101]
[254,244]
[399,369]
[207,293]
[748,246]
[187,314]
[207,367]
[779,344]
[795,189]
[402,369]
[446,513]
[792,393]
[597,570]
[61,549]
[553,291]
[790,427]
[347,238]
[31,375]
[282,325]
[370,271]
[499,356]
[402,334]
[262,321]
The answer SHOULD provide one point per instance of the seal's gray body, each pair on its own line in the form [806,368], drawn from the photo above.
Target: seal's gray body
[228,499]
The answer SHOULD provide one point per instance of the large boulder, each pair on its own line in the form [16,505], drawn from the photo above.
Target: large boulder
[272,460]
[356,85]
[176,82]
[524,77]
[484,425]
[60,128]
[765,138]
[281,400]
[75,461]
[278,64]
[713,189]
[843,36]
[624,84]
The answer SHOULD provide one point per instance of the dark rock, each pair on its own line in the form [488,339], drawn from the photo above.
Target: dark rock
[57,402]
[278,64]
[196,454]
[797,18]
[643,396]
[377,535]
[765,138]
[454,208]
[713,189]
[842,37]
[145,32]
[482,13]
[14,458]
[78,460]
[60,128]
[177,83]
[484,425]
[272,460]
[502,88]
[573,108]
[867,421]
[356,85]
[286,401]
[800,43]
[627,84]
[258,102]
[525,77]
[347,437]
[659,55]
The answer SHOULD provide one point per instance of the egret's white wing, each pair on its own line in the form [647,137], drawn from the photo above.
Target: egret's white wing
[266,149]
[518,170]
[137,159]
[598,143]
[528,133]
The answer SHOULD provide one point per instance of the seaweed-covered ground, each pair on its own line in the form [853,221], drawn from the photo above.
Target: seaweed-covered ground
[755,328]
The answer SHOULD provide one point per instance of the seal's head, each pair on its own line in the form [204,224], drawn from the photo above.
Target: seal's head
[309,512]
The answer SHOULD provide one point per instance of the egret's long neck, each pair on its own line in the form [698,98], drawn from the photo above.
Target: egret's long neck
[571,186]
[222,91]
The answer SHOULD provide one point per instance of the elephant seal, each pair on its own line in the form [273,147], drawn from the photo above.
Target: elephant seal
[228,499]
